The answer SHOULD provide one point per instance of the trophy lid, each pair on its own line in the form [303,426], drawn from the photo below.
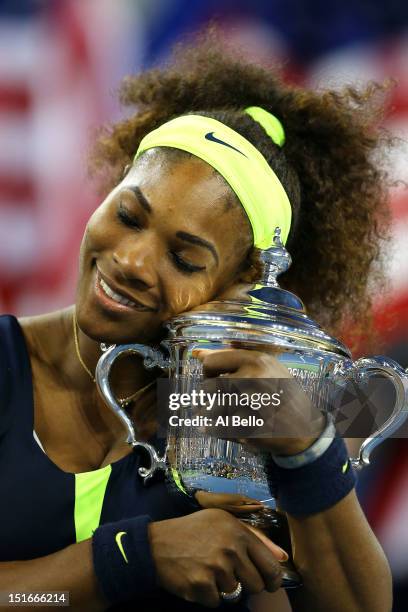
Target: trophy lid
[257,314]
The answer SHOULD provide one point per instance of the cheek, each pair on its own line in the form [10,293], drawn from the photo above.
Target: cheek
[97,232]
[84,248]
[187,294]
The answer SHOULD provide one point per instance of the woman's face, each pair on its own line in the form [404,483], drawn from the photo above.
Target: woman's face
[165,240]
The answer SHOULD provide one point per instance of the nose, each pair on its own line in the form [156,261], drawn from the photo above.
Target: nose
[136,262]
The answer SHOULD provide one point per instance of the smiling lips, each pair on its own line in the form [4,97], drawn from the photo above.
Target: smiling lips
[118,297]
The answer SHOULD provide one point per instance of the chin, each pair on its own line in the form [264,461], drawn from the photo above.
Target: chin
[119,332]
[104,320]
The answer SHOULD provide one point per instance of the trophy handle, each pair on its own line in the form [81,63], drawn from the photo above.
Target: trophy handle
[389,368]
[151,358]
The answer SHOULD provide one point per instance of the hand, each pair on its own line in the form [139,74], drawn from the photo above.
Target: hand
[300,421]
[209,551]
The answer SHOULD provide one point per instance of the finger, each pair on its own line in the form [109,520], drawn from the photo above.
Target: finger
[277,551]
[242,510]
[226,499]
[224,360]
[249,500]
[205,592]
[269,569]
[248,574]
[226,580]
[266,564]
[236,499]
[242,356]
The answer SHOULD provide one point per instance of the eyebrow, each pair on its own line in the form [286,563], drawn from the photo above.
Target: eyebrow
[200,241]
[144,202]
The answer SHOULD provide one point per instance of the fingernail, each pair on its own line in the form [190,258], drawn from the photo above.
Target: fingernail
[197,351]
[283,554]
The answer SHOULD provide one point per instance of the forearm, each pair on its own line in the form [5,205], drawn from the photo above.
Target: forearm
[341,563]
[70,569]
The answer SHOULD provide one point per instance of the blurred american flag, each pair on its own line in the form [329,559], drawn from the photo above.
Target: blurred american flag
[59,62]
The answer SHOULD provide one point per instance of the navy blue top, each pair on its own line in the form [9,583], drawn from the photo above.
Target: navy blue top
[37,510]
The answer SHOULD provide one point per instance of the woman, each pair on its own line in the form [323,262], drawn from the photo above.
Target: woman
[173,234]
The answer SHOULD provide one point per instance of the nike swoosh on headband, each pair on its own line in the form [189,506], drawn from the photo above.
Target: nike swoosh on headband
[210,136]
[118,538]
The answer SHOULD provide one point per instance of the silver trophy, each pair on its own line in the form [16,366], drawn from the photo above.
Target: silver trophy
[259,317]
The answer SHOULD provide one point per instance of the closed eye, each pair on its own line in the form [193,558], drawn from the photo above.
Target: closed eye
[131,221]
[126,218]
[185,266]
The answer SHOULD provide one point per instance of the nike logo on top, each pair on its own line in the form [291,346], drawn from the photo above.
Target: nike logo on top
[118,538]
[210,136]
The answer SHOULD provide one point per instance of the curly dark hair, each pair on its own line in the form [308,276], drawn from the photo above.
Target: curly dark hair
[329,164]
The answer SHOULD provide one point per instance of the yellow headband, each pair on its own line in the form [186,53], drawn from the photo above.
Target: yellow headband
[269,122]
[240,163]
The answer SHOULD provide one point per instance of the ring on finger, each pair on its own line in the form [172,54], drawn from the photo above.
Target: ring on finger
[232,595]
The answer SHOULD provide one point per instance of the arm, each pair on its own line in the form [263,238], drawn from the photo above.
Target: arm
[270,602]
[342,564]
[195,557]
[340,560]
[336,577]
[69,569]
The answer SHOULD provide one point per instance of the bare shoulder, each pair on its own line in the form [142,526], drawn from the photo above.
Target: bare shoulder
[43,332]
[43,320]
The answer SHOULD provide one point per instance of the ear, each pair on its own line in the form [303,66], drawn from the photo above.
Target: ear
[125,171]
[251,270]
[237,291]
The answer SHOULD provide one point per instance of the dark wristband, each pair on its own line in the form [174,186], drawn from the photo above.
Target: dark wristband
[122,559]
[315,487]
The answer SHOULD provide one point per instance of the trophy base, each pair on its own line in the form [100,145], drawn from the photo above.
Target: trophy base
[275,526]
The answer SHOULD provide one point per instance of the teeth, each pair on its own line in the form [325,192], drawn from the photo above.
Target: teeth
[115,296]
